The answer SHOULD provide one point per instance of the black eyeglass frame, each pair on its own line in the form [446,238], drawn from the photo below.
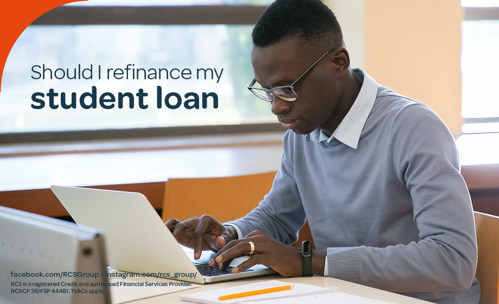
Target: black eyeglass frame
[288,92]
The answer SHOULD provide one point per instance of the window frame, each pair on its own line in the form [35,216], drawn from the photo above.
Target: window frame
[145,15]
[477,14]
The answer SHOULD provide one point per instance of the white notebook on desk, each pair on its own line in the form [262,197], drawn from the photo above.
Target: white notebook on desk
[299,294]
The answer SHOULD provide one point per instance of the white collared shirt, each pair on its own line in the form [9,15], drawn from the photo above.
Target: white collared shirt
[349,130]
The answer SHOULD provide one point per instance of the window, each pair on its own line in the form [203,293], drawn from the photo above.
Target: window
[480,46]
[196,57]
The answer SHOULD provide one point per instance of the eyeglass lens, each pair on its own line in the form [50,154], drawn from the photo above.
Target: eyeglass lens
[284,93]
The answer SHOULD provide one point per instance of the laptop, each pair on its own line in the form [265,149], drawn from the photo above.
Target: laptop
[138,241]
[33,244]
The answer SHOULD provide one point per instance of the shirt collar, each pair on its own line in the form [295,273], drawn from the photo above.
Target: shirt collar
[349,130]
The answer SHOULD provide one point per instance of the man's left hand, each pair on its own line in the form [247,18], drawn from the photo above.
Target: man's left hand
[281,258]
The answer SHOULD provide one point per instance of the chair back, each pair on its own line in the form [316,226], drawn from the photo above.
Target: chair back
[487,232]
[224,198]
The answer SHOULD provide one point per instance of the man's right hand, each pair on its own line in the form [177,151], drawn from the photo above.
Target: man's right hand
[200,233]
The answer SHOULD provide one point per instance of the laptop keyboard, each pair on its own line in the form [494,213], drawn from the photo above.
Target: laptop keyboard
[208,271]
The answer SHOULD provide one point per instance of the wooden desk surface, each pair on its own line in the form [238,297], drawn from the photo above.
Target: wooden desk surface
[343,286]
[25,180]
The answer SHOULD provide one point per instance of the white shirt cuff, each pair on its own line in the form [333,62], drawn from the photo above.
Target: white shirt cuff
[238,231]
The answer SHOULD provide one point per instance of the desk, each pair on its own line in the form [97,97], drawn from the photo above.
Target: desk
[25,184]
[27,178]
[343,286]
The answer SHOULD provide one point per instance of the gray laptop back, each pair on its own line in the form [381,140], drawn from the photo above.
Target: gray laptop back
[45,260]
[137,239]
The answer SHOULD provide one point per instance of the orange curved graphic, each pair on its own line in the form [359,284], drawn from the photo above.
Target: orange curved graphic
[15,16]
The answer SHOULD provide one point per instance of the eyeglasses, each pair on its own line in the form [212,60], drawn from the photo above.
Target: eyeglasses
[286,93]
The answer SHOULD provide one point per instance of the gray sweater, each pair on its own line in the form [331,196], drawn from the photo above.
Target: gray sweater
[383,195]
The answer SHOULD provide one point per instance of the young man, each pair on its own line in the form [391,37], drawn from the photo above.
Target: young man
[376,174]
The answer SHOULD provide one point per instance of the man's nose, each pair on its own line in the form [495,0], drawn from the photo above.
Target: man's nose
[279,106]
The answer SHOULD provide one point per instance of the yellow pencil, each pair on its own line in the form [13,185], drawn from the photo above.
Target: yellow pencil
[254,292]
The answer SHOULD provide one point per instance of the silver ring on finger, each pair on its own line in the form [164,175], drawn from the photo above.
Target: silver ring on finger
[252,248]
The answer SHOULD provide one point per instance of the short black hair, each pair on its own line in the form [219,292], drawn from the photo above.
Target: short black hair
[310,20]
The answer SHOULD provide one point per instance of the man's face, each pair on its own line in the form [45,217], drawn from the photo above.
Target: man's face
[318,92]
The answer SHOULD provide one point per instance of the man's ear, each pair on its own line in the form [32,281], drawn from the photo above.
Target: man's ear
[341,60]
